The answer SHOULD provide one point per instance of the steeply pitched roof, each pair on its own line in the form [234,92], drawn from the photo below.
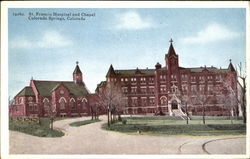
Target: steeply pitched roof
[26,91]
[77,70]
[171,51]
[46,87]
[100,85]
[111,71]
[231,67]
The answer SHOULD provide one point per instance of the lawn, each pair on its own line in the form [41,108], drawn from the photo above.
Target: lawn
[42,130]
[84,122]
[174,126]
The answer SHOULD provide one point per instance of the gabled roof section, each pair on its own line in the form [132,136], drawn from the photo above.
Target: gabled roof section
[46,87]
[231,67]
[111,71]
[209,69]
[137,71]
[102,84]
[77,70]
[132,72]
[26,91]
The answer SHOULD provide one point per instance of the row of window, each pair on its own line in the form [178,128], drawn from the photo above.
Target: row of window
[62,102]
[203,78]
[184,77]
[174,88]
[141,79]
[135,90]
[145,101]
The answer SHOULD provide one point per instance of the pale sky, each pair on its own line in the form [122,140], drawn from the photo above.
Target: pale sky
[126,38]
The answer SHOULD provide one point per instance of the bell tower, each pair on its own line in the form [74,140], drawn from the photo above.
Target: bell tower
[172,59]
[77,74]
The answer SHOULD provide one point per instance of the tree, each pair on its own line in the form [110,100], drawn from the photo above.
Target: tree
[185,100]
[230,99]
[96,105]
[51,111]
[241,81]
[201,97]
[111,99]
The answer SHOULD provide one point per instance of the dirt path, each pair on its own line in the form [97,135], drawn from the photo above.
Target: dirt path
[91,139]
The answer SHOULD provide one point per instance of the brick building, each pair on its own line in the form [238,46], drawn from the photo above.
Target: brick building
[162,89]
[68,98]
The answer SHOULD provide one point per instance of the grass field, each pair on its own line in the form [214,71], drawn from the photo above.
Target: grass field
[35,129]
[84,122]
[170,126]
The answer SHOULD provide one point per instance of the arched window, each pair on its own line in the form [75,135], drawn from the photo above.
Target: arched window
[163,100]
[84,103]
[21,100]
[72,103]
[62,102]
[46,104]
[30,99]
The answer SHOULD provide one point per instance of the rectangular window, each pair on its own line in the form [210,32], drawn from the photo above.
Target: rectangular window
[133,89]
[125,89]
[151,80]
[193,79]
[202,79]
[144,101]
[193,88]
[31,106]
[144,90]
[134,101]
[143,80]
[133,79]
[151,90]
[184,77]
[125,101]
[202,88]
[151,101]
[184,88]
[162,77]
[35,107]
[163,88]
[173,78]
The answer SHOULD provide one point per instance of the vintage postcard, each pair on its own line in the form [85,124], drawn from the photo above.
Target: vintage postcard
[124,80]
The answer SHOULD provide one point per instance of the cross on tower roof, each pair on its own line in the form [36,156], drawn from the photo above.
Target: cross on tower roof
[171,40]
[77,62]
[230,60]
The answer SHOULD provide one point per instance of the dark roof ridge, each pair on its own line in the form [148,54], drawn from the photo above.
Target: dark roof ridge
[50,81]
[135,69]
[201,67]
[26,91]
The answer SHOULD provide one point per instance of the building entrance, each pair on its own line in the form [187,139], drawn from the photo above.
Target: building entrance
[174,104]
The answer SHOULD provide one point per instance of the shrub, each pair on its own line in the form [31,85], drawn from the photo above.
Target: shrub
[124,121]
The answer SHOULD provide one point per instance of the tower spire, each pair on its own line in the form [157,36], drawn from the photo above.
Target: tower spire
[111,71]
[231,67]
[171,41]
[171,50]
[77,74]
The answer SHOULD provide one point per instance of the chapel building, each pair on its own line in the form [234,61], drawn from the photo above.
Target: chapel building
[64,98]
